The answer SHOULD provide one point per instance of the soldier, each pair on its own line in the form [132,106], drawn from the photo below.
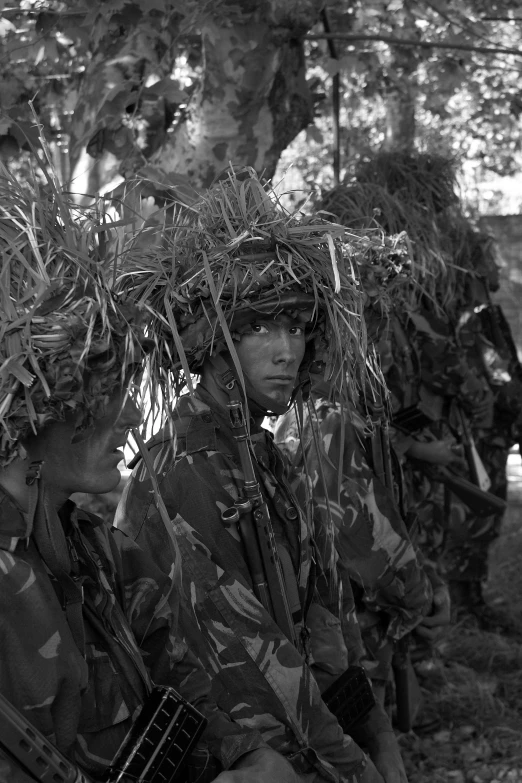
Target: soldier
[371,537]
[86,617]
[485,340]
[258,296]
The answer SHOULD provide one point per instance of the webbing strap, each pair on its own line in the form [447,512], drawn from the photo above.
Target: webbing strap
[51,543]
[291,588]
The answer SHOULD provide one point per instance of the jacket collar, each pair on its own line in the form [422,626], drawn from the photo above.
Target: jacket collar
[14,522]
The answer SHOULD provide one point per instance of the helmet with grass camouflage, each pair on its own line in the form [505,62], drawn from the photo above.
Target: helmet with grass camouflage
[237,252]
[66,342]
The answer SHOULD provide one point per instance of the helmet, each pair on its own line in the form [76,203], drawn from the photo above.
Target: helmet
[66,341]
[236,252]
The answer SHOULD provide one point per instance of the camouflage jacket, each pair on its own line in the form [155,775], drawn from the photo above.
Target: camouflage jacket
[370,535]
[258,676]
[425,366]
[489,354]
[85,705]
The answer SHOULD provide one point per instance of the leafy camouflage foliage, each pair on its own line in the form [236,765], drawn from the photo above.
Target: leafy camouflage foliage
[238,249]
[59,316]
[172,89]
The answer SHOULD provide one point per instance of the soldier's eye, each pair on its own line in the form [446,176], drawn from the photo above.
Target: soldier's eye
[296,330]
[259,329]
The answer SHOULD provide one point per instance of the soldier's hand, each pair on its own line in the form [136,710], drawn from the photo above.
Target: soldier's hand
[371,774]
[432,626]
[437,452]
[262,766]
[386,756]
[483,409]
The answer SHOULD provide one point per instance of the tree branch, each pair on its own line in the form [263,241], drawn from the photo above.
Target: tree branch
[411,42]
[336,102]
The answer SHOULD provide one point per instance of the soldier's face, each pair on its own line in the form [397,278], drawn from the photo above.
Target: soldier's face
[270,352]
[86,461]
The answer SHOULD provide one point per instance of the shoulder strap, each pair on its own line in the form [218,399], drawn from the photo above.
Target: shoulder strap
[51,543]
[156,440]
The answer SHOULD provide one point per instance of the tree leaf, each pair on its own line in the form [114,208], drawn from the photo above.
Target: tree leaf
[332,66]
[167,88]
[5,124]
[314,134]
[152,5]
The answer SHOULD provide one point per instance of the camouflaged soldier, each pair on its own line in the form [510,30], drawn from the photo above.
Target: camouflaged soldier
[86,617]
[252,296]
[371,537]
[424,371]
[486,342]
[343,460]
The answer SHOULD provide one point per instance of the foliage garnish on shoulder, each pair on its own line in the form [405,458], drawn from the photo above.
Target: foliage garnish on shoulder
[416,193]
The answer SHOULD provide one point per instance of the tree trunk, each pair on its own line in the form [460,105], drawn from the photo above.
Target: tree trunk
[252,100]
[112,83]
[400,93]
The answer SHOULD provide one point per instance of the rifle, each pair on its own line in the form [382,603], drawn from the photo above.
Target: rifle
[253,518]
[478,500]
[157,746]
[498,331]
[401,664]
[381,453]
[350,698]
[476,467]
[483,504]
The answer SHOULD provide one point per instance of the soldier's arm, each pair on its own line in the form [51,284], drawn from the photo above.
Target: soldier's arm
[373,732]
[41,673]
[152,606]
[371,537]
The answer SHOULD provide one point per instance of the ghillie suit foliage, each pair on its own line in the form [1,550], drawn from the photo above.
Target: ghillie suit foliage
[238,251]
[417,194]
[66,341]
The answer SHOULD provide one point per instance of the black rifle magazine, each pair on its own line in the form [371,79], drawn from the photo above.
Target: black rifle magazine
[160,740]
[350,697]
[411,420]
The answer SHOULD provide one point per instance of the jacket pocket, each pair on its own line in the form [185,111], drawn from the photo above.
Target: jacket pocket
[103,703]
[328,648]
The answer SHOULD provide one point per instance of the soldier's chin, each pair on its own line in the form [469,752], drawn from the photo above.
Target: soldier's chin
[280,396]
[102,483]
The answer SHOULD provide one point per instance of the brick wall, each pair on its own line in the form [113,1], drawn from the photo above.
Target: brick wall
[507,230]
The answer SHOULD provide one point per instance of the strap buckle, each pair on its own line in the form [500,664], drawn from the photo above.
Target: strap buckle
[229,379]
[34,472]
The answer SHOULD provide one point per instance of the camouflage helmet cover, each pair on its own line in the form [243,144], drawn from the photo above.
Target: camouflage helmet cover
[238,251]
[65,339]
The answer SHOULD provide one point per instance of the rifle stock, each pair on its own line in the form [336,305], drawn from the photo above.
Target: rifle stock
[258,538]
[482,503]
[400,668]
[32,752]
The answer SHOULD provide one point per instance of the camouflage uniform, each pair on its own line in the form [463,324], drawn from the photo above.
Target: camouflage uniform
[401,364]
[86,705]
[494,434]
[445,381]
[258,676]
[371,538]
